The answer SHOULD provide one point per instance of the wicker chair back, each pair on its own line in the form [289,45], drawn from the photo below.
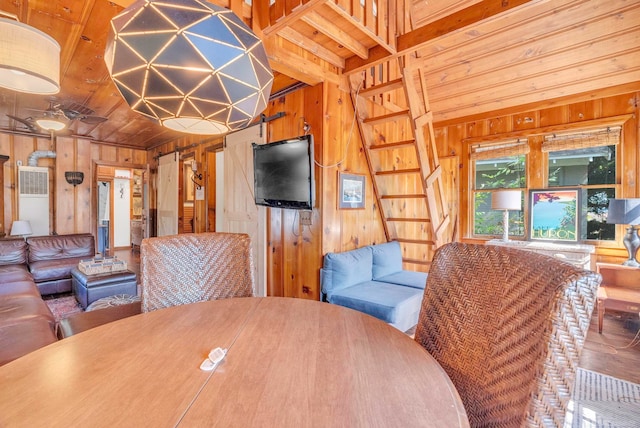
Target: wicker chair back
[189,268]
[508,327]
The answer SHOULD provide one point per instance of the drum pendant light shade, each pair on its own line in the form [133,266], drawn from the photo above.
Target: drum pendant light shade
[190,65]
[29,59]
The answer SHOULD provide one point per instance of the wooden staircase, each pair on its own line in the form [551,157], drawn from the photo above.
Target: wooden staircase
[396,126]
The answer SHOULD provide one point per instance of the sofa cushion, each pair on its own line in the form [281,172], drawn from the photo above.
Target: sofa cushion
[60,246]
[387,259]
[381,300]
[341,270]
[13,252]
[11,273]
[49,270]
[407,278]
[25,336]
[18,288]
[20,307]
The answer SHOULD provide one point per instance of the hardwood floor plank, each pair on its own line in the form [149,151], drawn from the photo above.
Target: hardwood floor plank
[608,353]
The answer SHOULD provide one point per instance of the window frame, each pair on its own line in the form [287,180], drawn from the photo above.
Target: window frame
[536,149]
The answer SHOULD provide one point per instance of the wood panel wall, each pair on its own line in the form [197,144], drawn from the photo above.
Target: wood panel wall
[73,208]
[295,251]
[455,138]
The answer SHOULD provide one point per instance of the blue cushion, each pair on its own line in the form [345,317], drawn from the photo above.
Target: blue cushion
[341,270]
[407,278]
[387,259]
[387,302]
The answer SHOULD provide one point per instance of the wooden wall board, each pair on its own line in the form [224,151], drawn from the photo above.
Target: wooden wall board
[566,115]
[72,205]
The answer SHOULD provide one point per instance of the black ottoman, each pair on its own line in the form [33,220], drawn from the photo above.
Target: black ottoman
[89,288]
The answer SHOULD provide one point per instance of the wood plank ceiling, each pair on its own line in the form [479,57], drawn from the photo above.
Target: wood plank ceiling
[482,55]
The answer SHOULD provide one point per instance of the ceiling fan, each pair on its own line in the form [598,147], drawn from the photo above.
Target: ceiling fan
[58,116]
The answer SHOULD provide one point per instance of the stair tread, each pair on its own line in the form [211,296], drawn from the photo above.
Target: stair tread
[395,145]
[404,196]
[386,117]
[399,171]
[409,219]
[382,88]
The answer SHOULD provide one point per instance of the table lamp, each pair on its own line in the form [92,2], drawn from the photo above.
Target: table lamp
[506,200]
[21,228]
[627,211]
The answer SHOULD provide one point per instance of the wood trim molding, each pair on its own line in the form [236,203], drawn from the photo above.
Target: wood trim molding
[596,123]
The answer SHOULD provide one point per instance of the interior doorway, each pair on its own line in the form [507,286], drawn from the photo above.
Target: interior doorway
[104,214]
[121,208]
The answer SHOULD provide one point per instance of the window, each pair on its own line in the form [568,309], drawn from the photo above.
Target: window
[587,160]
[495,167]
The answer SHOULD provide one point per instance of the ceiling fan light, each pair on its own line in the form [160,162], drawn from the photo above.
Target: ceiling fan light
[192,66]
[50,124]
[29,59]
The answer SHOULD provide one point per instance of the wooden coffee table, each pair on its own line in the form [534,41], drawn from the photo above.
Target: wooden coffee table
[290,363]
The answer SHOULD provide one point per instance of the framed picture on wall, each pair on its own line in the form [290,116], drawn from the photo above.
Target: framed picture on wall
[351,191]
[554,214]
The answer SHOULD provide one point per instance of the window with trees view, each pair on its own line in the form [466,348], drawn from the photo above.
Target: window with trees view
[496,167]
[587,160]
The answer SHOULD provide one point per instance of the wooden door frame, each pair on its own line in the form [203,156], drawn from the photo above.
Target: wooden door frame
[94,196]
[207,171]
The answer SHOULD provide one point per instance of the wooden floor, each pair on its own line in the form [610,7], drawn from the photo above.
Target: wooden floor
[605,353]
[609,352]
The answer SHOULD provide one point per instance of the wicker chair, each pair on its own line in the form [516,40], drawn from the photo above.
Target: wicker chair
[189,268]
[508,327]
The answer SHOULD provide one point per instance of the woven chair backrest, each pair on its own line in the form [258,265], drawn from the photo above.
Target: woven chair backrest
[189,268]
[508,327]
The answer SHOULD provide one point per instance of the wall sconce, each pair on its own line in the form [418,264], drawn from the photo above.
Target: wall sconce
[196,175]
[74,177]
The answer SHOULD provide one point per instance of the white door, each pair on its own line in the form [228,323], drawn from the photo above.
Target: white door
[241,214]
[168,195]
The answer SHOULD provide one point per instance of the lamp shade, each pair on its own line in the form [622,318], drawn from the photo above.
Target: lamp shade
[624,211]
[29,59]
[192,66]
[506,200]
[21,227]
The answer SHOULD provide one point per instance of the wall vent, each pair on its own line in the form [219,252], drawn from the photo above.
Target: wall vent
[33,181]
[33,198]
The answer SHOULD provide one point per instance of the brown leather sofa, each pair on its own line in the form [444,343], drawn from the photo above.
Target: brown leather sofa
[39,266]
[51,259]
[26,323]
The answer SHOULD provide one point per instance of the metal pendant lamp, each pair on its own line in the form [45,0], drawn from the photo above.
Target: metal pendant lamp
[190,65]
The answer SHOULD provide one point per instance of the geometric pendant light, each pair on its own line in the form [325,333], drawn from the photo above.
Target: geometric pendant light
[192,66]
[29,58]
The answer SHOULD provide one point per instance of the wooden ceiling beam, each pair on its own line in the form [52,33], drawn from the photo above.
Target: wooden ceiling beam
[293,65]
[417,38]
[335,33]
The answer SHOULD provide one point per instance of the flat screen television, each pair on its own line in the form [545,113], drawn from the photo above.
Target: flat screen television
[283,173]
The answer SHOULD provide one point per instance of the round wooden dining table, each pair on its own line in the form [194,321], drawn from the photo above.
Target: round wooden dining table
[290,363]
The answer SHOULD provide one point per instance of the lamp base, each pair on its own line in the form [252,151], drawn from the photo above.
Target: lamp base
[505,225]
[631,242]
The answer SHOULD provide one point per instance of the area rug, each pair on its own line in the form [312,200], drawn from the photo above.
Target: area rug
[62,307]
[603,401]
